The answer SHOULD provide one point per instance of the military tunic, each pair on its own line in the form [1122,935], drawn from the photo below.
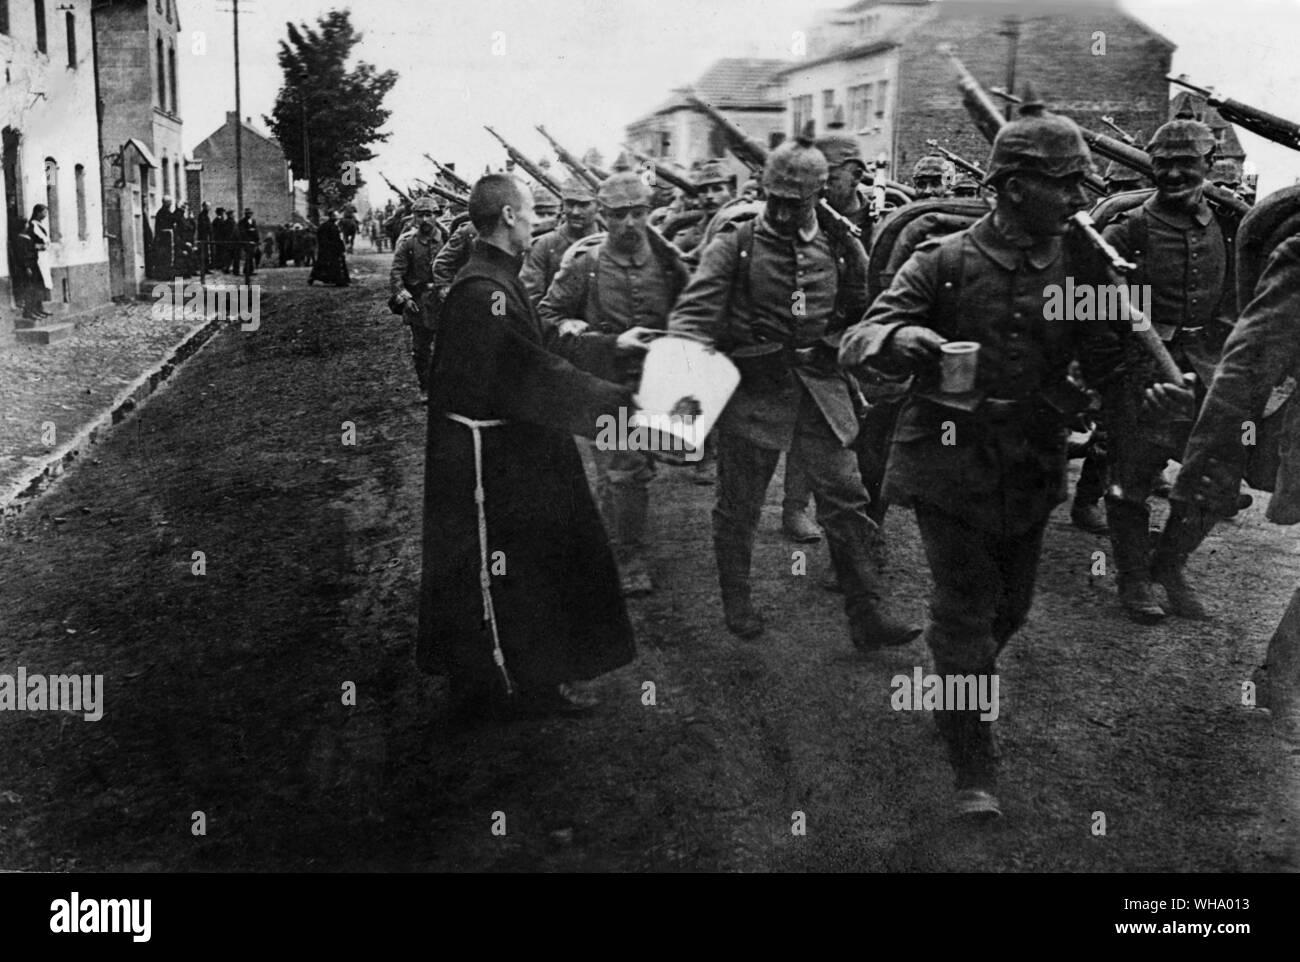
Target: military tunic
[983,480]
[797,298]
[613,291]
[412,271]
[795,292]
[542,262]
[1184,261]
[1261,351]
[453,256]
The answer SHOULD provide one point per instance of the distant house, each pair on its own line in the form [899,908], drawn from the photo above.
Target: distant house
[140,127]
[268,189]
[876,62]
[676,132]
[50,145]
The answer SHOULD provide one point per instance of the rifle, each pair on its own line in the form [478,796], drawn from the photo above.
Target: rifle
[570,161]
[1269,126]
[447,195]
[754,156]
[1123,134]
[958,160]
[397,190]
[664,174]
[1141,326]
[449,175]
[982,110]
[748,151]
[985,113]
[535,172]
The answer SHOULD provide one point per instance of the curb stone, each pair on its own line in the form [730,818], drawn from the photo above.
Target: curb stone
[37,478]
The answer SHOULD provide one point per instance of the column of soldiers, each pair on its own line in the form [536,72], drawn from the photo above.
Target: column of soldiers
[982,479]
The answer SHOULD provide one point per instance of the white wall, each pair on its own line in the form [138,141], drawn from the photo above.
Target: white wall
[53,106]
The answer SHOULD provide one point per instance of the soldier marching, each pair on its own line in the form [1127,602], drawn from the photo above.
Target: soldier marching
[810,280]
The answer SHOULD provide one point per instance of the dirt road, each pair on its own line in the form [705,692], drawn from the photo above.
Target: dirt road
[224,691]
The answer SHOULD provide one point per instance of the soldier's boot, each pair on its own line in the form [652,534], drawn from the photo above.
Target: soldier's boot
[872,625]
[1088,516]
[1131,541]
[973,754]
[1183,534]
[733,577]
[631,507]
[797,525]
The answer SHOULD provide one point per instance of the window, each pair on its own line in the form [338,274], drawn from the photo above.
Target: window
[801,109]
[162,75]
[718,142]
[70,21]
[52,197]
[828,108]
[81,201]
[176,179]
[169,11]
[171,67]
[860,106]
[167,178]
[42,43]
[882,98]
[4,16]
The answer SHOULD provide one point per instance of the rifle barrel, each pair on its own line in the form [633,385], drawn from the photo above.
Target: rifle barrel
[663,173]
[748,151]
[1269,126]
[570,161]
[449,174]
[529,167]
[1141,327]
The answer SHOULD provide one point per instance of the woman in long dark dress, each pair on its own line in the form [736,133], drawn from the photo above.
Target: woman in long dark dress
[39,283]
[331,265]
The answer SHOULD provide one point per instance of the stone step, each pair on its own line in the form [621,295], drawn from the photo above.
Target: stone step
[55,307]
[44,333]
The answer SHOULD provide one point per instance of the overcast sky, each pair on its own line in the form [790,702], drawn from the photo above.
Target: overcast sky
[584,68]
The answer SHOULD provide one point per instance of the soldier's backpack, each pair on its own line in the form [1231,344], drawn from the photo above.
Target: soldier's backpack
[908,227]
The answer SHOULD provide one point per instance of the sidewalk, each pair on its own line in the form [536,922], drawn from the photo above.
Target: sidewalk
[55,397]
[116,357]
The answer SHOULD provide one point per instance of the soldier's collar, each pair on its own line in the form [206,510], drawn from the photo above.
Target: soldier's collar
[638,258]
[808,233]
[1180,219]
[1007,250]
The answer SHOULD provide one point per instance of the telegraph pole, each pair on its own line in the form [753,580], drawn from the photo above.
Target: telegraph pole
[239,120]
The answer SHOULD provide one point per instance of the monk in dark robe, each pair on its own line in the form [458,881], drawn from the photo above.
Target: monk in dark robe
[521,597]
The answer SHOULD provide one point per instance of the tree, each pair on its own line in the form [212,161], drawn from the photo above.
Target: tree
[326,114]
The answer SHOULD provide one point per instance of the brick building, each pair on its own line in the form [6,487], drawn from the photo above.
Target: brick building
[876,62]
[50,147]
[140,127]
[267,186]
[680,134]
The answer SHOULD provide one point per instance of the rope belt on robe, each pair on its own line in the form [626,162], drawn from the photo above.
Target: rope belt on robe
[484,576]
